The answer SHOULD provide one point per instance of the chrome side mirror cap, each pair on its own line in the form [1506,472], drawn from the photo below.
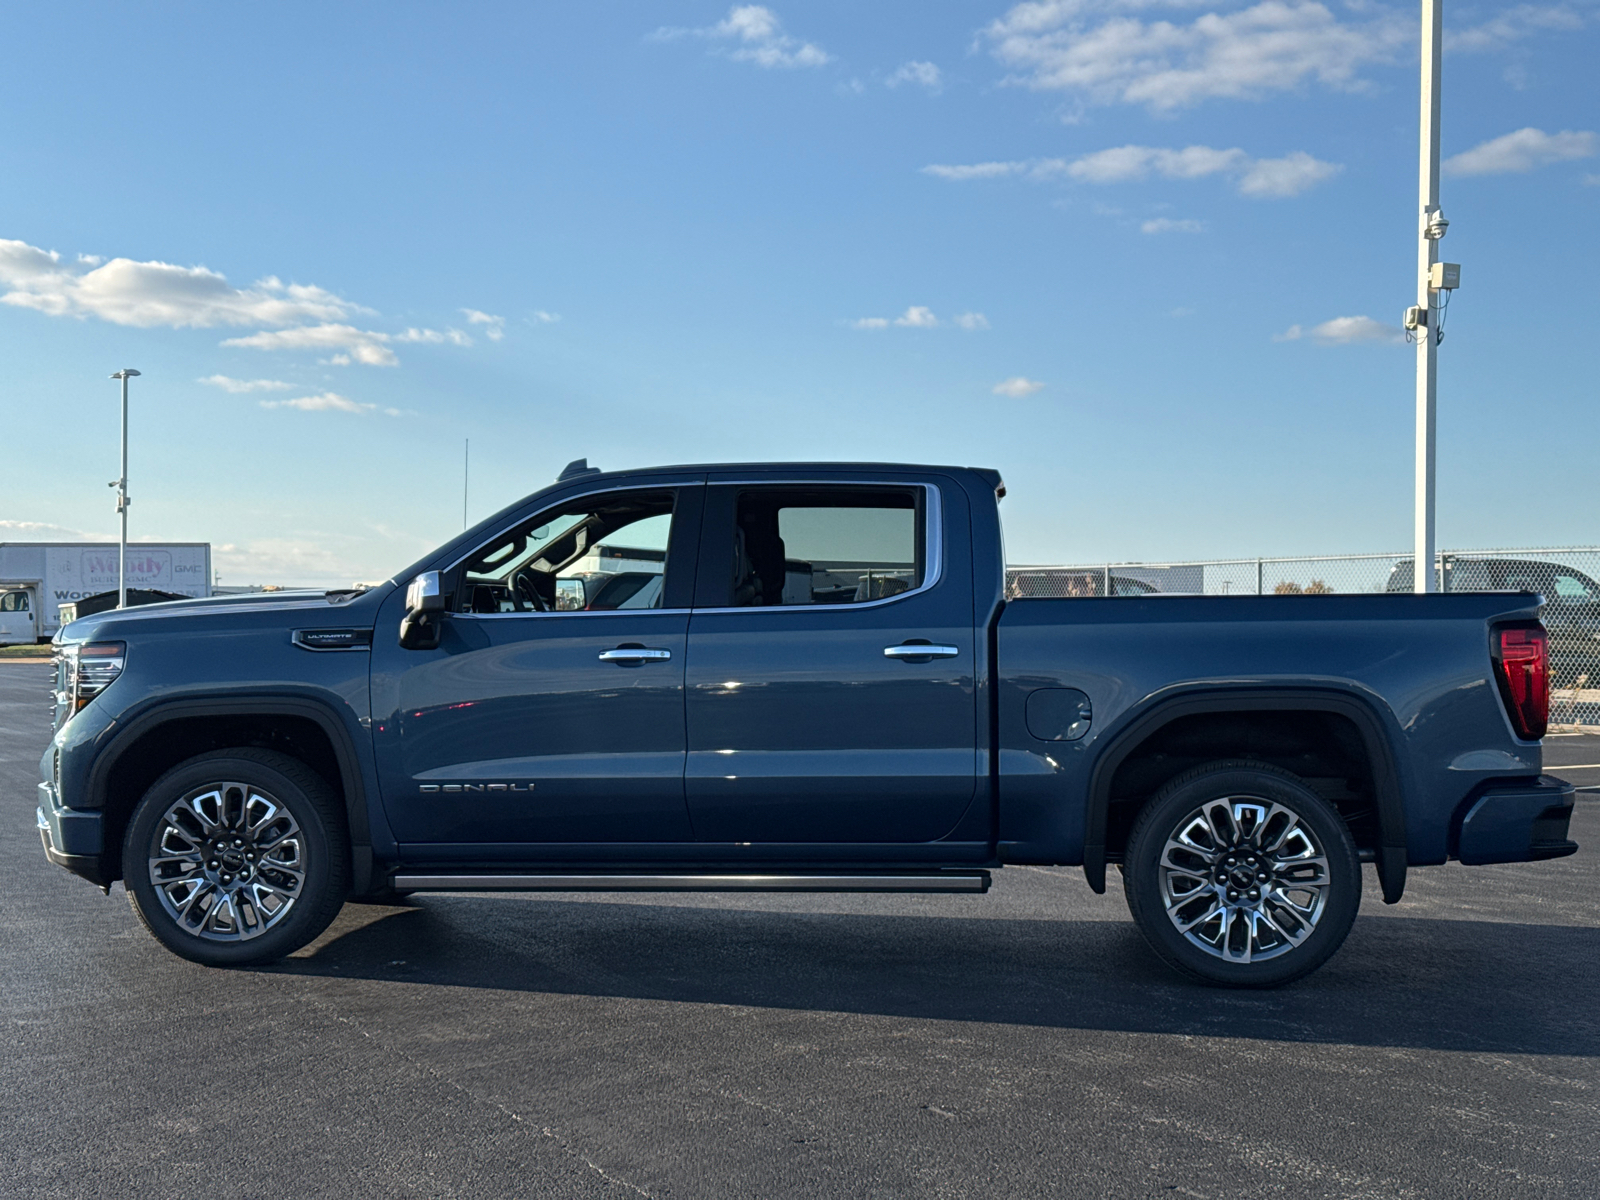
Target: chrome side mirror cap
[425,593]
[419,628]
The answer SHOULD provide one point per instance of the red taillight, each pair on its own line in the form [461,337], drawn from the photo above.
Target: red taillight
[1522,668]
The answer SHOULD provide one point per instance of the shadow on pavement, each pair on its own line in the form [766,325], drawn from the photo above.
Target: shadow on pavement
[1404,982]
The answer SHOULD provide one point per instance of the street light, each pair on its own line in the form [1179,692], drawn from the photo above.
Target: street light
[1435,281]
[121,484]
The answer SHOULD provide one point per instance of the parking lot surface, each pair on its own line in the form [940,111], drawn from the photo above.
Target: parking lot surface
[1023,1043]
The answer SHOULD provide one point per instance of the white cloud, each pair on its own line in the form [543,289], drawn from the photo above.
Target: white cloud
[925,74]
[917,317]
[288,562]
[1095,49]
[1342,331]
[433,337]
[148,294]
[757,35]
[1017,387]
[328,402]
[1261,178]
[44,531]
[1277,178]
[1522,150]
[323,402]
[986,170]
[496,325]
[1170,225]
[1512,25]
[1136,162]
[358,345]
[237,386]
[540,317]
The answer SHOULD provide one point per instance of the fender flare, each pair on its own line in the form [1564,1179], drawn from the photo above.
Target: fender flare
[317,711]
[1375,737]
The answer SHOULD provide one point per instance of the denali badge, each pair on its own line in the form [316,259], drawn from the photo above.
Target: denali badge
[475,787]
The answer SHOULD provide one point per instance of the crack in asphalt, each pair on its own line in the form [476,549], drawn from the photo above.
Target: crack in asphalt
[417,1064]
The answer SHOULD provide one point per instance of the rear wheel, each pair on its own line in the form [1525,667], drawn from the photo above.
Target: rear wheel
[1239,874]
[236,857]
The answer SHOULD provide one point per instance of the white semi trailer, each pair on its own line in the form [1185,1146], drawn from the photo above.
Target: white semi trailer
[37,578]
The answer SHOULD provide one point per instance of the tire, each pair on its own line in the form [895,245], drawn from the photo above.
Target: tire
[237,857]
[1260,870]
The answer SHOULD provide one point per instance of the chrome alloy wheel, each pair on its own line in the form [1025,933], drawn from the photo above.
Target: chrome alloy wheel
[228,862]
[1244,879]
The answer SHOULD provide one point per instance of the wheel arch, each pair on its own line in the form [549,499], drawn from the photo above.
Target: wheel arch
[160,737]
[1140,731]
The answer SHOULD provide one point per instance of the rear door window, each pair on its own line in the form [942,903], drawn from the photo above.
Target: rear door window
[825,545]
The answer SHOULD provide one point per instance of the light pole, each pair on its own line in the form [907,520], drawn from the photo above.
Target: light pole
[1426,319]
[121,485]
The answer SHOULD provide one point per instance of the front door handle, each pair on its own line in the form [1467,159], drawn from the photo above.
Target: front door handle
[921,650]
[634,654]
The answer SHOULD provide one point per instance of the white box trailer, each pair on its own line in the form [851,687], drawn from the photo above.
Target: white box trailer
[37,578]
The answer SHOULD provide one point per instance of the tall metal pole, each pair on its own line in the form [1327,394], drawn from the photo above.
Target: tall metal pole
[1430,229]
[466,463]
[122,494]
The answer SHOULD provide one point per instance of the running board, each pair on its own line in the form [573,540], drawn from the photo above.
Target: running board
[552,881]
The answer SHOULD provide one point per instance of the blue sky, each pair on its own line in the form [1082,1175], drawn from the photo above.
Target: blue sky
[1115,248]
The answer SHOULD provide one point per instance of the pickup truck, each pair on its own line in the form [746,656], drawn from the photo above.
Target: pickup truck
[826,689]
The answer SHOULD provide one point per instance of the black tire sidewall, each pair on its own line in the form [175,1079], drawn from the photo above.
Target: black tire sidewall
[308,801]
[1142,882]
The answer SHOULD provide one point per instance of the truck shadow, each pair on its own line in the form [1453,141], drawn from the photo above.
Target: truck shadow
[1469,986]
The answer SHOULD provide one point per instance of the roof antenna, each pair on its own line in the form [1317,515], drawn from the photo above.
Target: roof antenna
[575,469]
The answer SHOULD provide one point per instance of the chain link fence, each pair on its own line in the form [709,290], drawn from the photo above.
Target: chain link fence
[1566,577]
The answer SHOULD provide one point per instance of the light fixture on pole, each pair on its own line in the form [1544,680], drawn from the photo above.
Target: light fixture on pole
[1435,281]
[121,484]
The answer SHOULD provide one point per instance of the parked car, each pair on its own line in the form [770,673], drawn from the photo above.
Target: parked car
[1058,583]
[1571,611]
[246,764]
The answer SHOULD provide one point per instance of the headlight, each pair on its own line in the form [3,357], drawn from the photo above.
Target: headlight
[91,668]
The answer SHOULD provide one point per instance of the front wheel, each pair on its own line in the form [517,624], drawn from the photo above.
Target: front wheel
[236,857]
[1239,874]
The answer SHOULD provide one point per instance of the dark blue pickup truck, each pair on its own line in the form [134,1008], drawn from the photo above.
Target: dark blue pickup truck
[798,677]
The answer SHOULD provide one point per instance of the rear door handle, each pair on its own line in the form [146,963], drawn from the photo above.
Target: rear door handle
[634,654]
[923,650]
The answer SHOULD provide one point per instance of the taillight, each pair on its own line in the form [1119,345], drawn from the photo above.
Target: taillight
[1522,669]
[91,669]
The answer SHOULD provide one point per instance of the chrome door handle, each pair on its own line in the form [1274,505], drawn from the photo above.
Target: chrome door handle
[924,651]
[634,654]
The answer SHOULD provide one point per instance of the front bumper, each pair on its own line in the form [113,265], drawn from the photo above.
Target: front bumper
[73,838]
[1525,823]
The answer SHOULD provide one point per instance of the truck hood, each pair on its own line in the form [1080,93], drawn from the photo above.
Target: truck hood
[256,610]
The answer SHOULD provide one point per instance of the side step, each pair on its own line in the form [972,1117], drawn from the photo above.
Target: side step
[569,881]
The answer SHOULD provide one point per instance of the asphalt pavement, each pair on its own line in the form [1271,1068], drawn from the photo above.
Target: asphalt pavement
[1023,1043]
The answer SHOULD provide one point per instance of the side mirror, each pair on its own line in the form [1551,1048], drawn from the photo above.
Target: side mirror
[419,628]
